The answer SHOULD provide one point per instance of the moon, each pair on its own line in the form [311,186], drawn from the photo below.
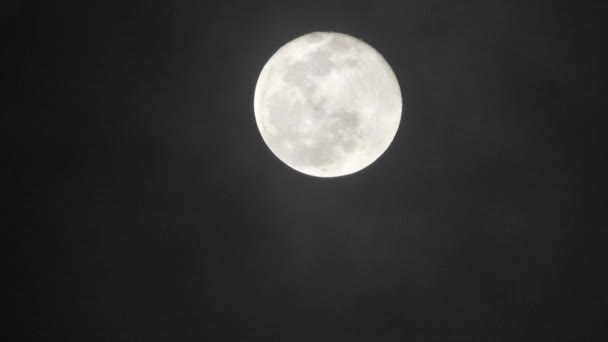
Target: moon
[327,104]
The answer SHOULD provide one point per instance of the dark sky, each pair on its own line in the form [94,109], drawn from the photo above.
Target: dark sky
[150,209]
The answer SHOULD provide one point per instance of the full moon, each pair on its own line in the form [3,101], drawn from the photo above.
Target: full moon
[327,104]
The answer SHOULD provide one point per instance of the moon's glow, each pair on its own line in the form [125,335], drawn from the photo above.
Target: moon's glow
[327,104]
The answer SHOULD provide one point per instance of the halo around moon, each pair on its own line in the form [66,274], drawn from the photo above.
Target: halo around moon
[327,104]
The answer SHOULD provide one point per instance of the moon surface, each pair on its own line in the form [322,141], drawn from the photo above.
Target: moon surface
[327,104]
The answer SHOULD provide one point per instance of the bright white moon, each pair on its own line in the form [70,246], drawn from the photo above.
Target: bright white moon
[327,104]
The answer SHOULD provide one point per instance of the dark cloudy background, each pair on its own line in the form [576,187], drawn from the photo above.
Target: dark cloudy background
[150,209]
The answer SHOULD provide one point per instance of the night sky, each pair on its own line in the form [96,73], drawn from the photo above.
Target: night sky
[148,207]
